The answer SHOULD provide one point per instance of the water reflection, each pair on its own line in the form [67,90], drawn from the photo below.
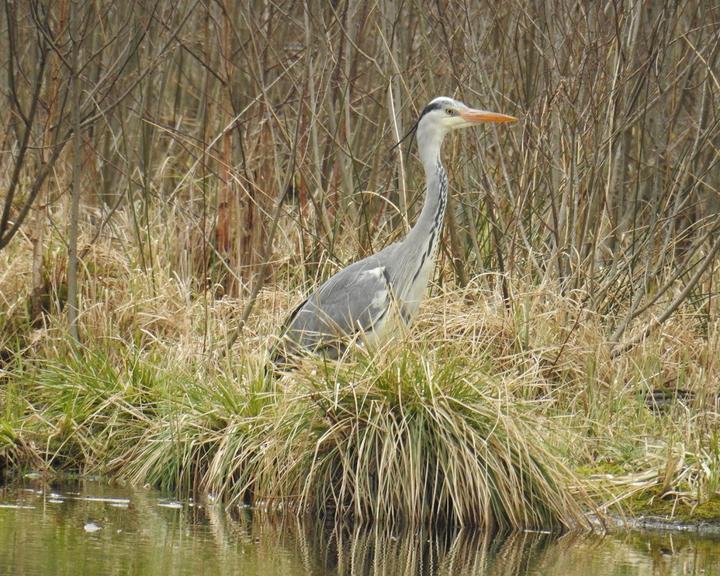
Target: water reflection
[363,553]
[94,528]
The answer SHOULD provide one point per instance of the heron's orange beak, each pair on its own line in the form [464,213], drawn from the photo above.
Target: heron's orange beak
[476,116]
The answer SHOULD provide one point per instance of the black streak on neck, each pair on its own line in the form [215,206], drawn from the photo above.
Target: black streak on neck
[436,229]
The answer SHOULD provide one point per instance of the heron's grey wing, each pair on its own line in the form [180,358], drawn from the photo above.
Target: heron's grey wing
[353,300]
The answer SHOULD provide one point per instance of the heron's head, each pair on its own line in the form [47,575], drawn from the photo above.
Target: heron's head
[444,114]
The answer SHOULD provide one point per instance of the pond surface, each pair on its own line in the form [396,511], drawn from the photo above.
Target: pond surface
[92,528]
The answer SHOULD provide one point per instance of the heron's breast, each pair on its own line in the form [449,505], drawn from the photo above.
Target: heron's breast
[418,289]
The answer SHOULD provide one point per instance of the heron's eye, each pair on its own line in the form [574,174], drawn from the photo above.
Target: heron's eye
[450,111]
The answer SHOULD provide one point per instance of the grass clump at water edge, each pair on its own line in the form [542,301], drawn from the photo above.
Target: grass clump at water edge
[400,439]
[395,439]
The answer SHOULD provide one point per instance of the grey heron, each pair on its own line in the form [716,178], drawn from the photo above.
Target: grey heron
[372,296]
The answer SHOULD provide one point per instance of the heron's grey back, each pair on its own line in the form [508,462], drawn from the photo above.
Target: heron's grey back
[352,301]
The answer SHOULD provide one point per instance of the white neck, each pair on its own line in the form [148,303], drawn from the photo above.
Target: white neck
[420,246]
[429,145]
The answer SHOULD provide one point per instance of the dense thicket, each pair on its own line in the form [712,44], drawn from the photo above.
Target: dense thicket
[205,115]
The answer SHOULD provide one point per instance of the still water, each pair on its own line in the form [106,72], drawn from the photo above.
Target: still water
[92,528]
